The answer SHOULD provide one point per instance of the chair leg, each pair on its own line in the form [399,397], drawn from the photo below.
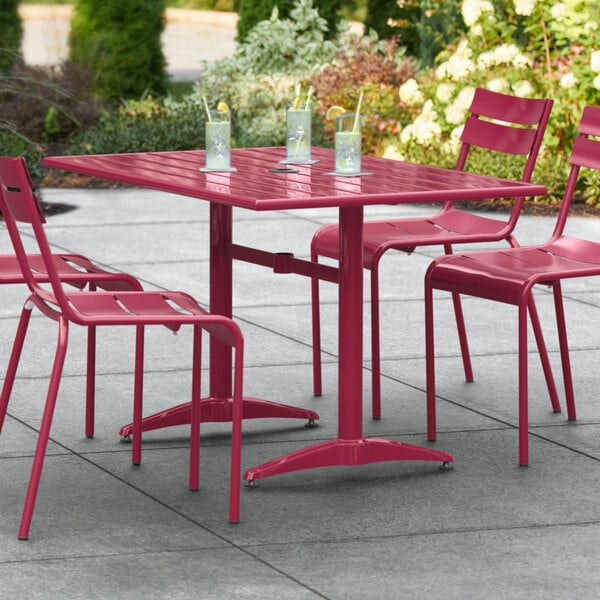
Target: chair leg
[90,386]
[236,433]
[543,353]
[316,330]
[564,351]
[375,342]
[430,361]
[195,414]
[40,452]
[462,330]
[138,395]
[523,391]
[462,337]
[13,362]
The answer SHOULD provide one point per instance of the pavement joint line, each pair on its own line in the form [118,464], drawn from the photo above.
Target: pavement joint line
[416,534]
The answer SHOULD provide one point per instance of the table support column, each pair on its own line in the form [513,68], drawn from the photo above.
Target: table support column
[221,291]
[350,379]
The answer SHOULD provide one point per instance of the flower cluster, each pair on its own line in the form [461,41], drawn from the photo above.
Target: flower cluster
[473,10]
[460,66]
[410,93]
[524,7]
[424,130]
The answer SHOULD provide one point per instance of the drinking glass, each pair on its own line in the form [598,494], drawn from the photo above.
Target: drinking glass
[298,125]
[218,140]
[348,131]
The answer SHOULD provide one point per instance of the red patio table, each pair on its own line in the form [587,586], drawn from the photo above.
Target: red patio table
[260,183]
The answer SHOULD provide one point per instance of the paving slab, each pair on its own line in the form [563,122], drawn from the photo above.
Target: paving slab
[486,528]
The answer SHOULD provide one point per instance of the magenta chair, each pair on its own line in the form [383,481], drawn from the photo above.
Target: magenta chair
[497,122]
[509,276]
[19,204]
[70,268]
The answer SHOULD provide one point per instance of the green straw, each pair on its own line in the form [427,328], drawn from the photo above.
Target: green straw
[308,97]
[207,110]
[360,99]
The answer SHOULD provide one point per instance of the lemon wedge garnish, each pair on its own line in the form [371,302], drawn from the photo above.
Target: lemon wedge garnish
[222,107]
[334,111]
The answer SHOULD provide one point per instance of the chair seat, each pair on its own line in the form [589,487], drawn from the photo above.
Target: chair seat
[503,274]
[447,227]
[124,307]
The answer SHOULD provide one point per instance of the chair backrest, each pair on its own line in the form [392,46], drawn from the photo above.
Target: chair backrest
[585,153]
[507,125]
[20,204]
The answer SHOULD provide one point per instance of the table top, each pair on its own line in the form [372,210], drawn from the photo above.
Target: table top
[254,186]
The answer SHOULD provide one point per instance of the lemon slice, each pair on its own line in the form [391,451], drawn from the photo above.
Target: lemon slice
[222,107]
[334,111]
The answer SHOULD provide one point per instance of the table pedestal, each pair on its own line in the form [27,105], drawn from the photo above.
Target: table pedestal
[341,452]
[350,447]
[218,410]
[218,406]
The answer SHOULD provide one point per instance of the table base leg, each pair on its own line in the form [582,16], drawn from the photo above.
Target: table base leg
[219,410]
[346,452]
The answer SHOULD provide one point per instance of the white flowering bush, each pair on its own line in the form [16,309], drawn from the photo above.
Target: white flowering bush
[530,48]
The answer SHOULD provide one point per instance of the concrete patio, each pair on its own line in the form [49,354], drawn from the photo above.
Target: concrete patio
[486,529]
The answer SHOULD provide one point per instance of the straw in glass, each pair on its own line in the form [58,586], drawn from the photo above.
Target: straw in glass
[356,117]
[206,107]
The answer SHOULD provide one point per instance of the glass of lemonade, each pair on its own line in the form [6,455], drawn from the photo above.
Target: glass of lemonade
[348,132]
[218,140]
[298,139]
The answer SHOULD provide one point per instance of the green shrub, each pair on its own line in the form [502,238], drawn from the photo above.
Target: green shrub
[424,27]
[380,13]
[146,126]
[252,12]
[120,41]
[286,45]
[439,24]
[330,11]
[12,33]
[14,144]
